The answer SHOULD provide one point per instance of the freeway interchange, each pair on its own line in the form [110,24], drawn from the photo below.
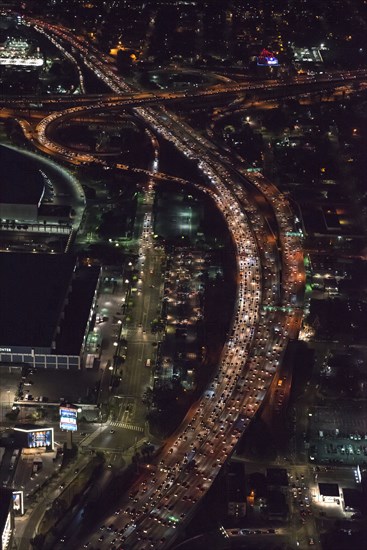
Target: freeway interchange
[268,311]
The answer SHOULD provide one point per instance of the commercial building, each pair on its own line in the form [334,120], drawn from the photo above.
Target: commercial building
[34,436]
[26,195]
[6,518]
[22,187]
[18,52]
[46,303]
[26,451]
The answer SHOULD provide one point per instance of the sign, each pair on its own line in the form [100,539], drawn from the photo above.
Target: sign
[33,437]
[68,418]
[40,438]
[18,502]
[267,58]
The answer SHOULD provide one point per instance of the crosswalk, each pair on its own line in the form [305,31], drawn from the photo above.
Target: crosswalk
[126,426]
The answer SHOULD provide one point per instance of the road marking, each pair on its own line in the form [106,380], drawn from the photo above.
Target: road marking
[89,438]
[127,426]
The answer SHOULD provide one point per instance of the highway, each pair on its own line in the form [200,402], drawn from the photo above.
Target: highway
[132,97]
[267,313]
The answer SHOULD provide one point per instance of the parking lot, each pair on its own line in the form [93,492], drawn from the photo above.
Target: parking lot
[338,435]
[46,387]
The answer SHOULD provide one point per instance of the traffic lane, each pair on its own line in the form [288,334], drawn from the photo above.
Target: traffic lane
[76,526]
[135,373]
[72,526]
[114,438]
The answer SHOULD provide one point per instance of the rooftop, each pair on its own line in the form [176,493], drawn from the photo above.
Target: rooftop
[329,489]
[6,498]
[32,291]
[20,181]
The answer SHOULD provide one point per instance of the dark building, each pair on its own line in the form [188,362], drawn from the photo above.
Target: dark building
[353,500]
[236,490]
[21,187]
[277,477]
[329,490]
[45,309]
[277,507]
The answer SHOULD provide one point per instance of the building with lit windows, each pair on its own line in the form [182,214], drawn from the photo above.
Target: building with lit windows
[18,52]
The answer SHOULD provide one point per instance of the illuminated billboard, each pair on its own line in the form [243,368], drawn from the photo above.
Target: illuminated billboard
[40,438]
[34,437]
[68,418]
[18,502]
[267,59]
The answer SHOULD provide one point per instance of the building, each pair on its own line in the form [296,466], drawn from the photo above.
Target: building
[6,518]
[277,477]
[27,194]
[28,449]
[353,500]
[329,492]
[236,490]
[46,303]
[276,506]
[17,52]
[22,187]
[34,436]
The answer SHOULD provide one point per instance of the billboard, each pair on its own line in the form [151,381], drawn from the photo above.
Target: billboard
[34,437]
[18,502]
[68,418]
[40,438]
